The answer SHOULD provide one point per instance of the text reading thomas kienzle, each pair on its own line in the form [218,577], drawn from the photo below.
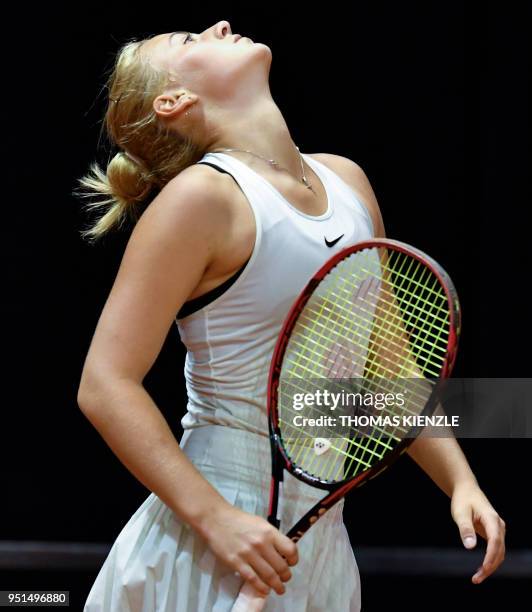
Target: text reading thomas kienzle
[377,401]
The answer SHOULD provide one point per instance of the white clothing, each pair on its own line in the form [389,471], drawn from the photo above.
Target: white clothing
[158,563]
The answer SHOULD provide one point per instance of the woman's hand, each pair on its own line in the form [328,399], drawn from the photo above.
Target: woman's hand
[251,546]
[472,512]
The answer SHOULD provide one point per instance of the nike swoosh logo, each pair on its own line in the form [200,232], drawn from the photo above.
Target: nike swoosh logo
[332,242]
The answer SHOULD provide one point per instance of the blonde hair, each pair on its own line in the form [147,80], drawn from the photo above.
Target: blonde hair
[151,154]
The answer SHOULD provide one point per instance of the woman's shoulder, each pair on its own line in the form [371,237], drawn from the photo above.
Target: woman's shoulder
[352,174]
[193,198]
[197,177]
[347,170]
[202,185]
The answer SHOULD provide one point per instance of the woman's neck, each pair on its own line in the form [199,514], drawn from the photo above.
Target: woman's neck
[262,130]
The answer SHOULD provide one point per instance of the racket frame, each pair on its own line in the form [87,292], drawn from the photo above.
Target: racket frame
[280,458]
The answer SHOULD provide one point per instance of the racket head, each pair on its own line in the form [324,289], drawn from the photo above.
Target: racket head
[435,285]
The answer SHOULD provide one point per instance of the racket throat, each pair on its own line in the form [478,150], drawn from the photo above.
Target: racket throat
[275,490]
[276,506]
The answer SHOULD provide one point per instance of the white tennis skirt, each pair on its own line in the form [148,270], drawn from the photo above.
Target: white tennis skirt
[159,564]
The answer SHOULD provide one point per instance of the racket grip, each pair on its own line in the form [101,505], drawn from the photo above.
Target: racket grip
[249,600]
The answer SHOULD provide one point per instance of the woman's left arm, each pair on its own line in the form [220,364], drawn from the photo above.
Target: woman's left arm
[441,458]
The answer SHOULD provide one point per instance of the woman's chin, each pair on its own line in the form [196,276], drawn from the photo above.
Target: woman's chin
[261,45]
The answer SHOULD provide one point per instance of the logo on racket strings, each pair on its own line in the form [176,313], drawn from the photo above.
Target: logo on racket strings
[321,445]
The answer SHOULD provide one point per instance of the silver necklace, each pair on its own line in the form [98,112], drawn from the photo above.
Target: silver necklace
[272,162]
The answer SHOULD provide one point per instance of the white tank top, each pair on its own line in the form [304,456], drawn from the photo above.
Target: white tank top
[230,340]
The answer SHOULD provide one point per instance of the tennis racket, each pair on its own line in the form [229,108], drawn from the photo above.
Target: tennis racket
[379,316]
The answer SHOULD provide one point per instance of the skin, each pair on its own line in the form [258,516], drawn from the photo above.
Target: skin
[196,233]
[225,87]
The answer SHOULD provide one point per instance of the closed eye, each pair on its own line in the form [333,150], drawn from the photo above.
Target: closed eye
[187,38]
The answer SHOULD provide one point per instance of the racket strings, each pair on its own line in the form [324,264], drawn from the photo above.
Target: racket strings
[427,326]
[388,327]
[377,315]
[366,449]
[348,447]
[379,445]
[412,385]
[404,303]
[390,339]
[314,317]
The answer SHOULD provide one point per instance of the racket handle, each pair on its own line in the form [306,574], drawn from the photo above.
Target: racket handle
[249,600]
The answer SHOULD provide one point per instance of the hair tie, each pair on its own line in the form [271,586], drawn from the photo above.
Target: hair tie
[134,158]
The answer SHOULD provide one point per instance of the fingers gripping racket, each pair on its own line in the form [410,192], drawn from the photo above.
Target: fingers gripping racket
[384,315]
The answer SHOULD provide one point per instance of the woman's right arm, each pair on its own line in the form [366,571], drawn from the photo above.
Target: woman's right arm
[171,246]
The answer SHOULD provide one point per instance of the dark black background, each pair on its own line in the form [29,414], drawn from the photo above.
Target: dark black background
[430,99]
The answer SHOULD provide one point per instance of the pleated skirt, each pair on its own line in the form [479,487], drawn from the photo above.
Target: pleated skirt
[159,564]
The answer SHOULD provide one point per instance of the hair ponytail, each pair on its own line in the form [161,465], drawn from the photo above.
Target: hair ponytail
[151,153]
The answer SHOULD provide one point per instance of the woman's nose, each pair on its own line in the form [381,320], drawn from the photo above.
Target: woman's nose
[223,28]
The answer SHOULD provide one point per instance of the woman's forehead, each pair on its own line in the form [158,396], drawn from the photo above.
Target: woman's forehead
[157,40]
[156,46]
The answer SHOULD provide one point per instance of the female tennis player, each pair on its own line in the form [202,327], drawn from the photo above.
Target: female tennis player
[231,220]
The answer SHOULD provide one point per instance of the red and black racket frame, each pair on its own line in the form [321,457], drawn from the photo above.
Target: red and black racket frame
[280,459]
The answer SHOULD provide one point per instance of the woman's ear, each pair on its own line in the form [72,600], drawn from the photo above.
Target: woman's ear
[167,106]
